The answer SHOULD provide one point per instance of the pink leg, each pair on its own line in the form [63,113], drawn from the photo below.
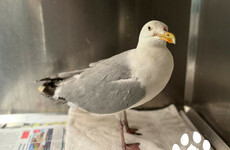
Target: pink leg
[127,128]
[132,146]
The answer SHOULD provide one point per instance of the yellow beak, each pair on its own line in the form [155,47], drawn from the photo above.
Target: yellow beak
[168,37]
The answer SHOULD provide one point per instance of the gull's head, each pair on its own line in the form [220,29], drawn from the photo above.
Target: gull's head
[155,33]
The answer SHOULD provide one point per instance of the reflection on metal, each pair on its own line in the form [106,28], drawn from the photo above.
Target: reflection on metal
[41,38]
[42,30]
[192,50]
[211,96]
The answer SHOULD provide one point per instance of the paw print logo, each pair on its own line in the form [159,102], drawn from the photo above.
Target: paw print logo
[195,143]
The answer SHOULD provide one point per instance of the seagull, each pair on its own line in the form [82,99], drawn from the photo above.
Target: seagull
[121,82]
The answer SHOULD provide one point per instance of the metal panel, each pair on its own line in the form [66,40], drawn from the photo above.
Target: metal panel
[23,56]
[212,82]
[41,38]
[192,50]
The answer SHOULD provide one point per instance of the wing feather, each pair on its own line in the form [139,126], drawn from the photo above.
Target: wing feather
[106,87]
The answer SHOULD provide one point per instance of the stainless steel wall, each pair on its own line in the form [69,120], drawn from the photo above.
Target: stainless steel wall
[41,38]
[211,96]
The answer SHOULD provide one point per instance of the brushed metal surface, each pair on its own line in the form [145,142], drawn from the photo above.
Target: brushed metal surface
[192,50]
[23,57]
[41,38]
[212,82]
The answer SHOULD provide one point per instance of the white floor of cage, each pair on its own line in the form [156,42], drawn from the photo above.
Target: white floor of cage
[160,129]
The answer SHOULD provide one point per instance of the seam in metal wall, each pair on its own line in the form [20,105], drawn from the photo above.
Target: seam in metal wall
[192,50]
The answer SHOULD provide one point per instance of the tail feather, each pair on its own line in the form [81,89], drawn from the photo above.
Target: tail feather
[51,83]
[48,89]
[49,86]
[49,79]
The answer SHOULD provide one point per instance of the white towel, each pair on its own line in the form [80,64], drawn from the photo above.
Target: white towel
[160,130]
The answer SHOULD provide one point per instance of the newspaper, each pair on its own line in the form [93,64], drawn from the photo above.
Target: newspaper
[31,120]
[32,132]
[39,138]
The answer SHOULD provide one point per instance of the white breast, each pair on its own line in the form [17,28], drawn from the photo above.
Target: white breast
[153,68]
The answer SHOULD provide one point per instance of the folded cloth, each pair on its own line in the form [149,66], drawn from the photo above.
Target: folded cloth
[160,130]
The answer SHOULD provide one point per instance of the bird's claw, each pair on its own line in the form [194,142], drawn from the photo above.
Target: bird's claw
[132,131]
[132,146]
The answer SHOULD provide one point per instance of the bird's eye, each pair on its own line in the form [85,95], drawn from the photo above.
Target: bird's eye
[165,29]
[149,28]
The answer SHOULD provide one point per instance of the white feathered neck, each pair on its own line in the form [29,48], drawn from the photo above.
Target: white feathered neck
[147,61]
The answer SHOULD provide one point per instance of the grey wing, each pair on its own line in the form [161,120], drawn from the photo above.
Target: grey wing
[105,88]
[61,76]
[97,62]
[65,75]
